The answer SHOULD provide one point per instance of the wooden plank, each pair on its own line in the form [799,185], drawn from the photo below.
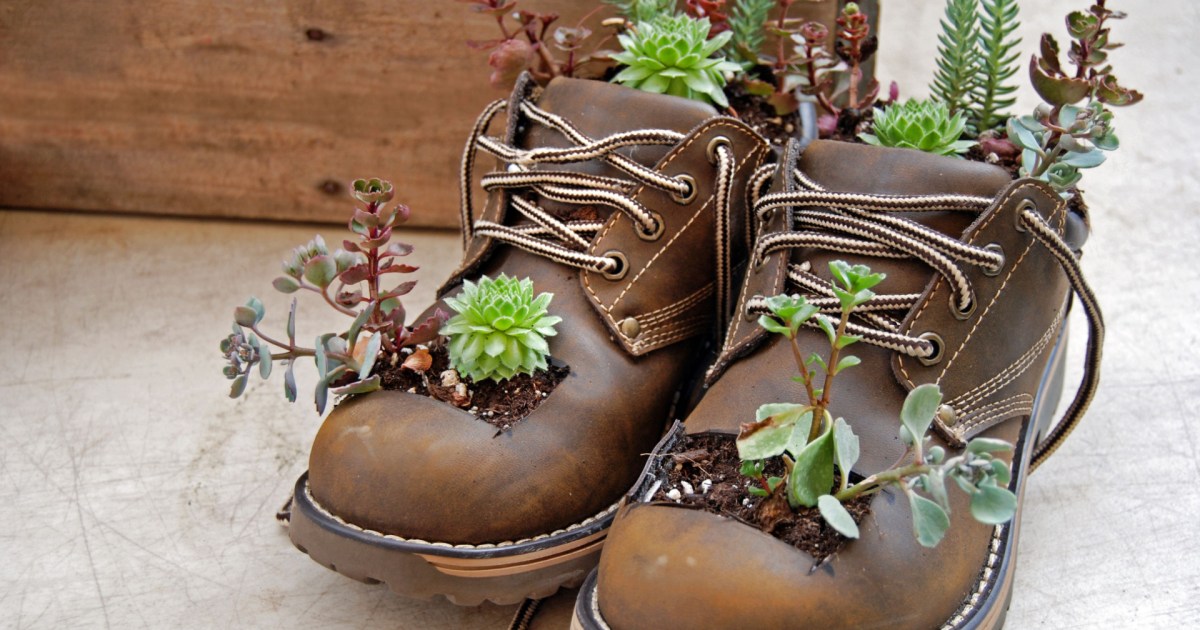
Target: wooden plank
[230,109]
[258,109]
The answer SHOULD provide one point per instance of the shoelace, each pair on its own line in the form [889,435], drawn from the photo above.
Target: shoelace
[866,225]
[567,242]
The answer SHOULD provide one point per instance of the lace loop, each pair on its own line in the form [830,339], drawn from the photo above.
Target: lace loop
[568,242]
[868,225]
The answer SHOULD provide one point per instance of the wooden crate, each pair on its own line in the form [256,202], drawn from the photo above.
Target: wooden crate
[262,109]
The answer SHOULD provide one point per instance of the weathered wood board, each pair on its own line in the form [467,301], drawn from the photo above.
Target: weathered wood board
[260,109]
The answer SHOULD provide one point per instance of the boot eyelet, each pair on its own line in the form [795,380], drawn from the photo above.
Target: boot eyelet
[713,145]
[690,195]
[1025,205]
[660,226]
[936,341]
[622,265]
[960,314]
[993,272]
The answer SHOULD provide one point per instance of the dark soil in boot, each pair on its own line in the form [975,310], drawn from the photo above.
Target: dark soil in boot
[713,458]
[500,404]
[756,112]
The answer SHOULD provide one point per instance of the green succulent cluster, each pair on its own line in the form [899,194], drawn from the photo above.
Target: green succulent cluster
[673,55]
[500,329]
[820,451]
[924,125]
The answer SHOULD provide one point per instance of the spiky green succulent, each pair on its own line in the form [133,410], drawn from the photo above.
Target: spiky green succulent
[673,55]
[500,329]
[923,125]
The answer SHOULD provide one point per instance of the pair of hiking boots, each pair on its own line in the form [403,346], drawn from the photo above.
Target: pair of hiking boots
[660,227]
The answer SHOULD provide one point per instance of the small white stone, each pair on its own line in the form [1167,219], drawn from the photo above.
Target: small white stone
[450,378]
[746,502]
[687,487]
[412,390]
[705,486]
[674,494]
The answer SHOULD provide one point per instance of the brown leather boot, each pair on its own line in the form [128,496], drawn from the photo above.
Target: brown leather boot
[980,270]
[628,207]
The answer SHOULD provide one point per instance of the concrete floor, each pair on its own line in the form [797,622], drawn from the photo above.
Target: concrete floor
[135,494]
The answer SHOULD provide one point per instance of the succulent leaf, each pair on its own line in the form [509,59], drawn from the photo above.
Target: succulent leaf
[923,125]
[673,55]
[500,329]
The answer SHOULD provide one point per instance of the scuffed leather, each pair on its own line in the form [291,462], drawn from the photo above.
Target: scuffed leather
[407,465]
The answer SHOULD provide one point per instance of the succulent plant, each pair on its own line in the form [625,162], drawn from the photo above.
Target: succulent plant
[346,279]
[500,329]
[1062,137]
[923,125]
[821,450]
[673,55]
[958,56]
[643,10]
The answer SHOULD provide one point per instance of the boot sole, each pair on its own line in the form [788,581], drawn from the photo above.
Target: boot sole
[987,606]
[467,575]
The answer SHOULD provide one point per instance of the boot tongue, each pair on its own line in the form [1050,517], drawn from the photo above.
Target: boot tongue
[600,109]
[849,167]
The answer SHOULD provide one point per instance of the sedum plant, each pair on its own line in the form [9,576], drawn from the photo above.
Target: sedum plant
[351,281]
[673,55]
[991,92]
[1073,128]
[500,329]
[643,10]
[976,58]
[747,20]
[819,451]
[924,125]
[958,59]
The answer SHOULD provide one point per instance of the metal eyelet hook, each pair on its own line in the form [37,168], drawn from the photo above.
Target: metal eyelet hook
[622,265]
[962,315]
[660,227]
[690,195]
[713,145]
[936,341]
[993,272]
[1025,205]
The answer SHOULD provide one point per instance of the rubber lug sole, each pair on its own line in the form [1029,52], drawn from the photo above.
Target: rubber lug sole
[464,575]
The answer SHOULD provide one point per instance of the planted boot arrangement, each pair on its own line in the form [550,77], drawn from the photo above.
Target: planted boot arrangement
[862,348]
[631,220]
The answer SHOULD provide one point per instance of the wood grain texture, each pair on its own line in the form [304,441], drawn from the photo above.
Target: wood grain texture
[260,109]
[230,109]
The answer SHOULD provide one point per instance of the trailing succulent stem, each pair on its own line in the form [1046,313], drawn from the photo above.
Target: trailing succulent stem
[819,451]
[500,329]
[991,92]
[958,59]
[1062,137]
[351,281]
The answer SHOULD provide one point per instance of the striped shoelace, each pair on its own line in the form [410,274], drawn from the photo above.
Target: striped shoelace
[569,241]
[869,225]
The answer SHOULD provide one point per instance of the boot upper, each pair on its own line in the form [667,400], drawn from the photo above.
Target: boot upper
[411,466]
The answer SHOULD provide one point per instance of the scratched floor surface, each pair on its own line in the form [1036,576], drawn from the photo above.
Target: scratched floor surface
[133,493]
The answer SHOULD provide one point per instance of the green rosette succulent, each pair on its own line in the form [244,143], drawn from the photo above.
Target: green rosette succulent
[673,55]
[500,329]
[922,125]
